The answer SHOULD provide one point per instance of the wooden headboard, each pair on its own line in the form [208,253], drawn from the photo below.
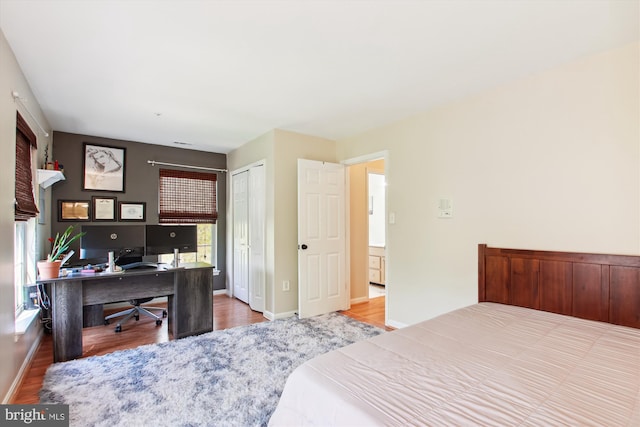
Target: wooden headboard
[590,286]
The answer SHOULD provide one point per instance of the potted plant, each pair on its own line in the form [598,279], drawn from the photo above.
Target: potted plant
[50,268]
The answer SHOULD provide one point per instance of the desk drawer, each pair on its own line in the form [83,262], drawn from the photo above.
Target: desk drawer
[123,288]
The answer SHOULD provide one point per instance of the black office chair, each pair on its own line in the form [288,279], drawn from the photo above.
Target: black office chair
[136,311]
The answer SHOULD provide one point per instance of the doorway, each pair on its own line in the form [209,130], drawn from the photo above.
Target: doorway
[376,219]
[368,261]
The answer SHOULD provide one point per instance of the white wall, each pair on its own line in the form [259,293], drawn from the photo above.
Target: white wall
[260,148]
[281,150]
[548,162]
[289,147]
[12,353]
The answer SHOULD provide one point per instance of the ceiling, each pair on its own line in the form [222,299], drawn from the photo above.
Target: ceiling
[216,74]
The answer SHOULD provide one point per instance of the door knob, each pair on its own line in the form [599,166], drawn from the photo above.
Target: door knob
[303,247]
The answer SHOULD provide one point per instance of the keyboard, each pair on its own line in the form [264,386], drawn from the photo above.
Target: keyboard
[139,266]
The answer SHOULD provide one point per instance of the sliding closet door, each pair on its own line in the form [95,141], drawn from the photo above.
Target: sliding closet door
[240,189]
[249,217]
[257,216]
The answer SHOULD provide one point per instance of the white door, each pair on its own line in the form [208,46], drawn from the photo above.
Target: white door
[257,217]
[240,236]
[322,281]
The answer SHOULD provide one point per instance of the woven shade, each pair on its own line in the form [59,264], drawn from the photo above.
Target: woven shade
[25,207]
[187,197]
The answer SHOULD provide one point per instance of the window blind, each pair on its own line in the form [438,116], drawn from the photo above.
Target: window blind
[187,197]
[25,206]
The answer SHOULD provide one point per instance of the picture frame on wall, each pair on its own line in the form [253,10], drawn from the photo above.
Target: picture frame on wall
[132,211]
[103,168]
[103,208]
[74,210]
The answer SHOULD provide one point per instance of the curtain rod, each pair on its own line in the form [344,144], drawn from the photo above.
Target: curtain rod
[18,98]
[153,163]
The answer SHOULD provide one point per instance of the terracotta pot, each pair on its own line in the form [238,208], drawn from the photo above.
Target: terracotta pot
[49,269]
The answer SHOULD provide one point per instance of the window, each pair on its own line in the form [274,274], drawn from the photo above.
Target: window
[25,206]
[187,197]
[206,247]
[24,260]
[190,198]
[25,212]
[20,262]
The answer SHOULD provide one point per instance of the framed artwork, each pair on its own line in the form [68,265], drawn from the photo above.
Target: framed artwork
[103,208]
[103,168]
[132,211]
[74,210]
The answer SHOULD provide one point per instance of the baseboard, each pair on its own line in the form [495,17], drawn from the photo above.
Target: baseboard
[271,316]
[222,292]
[359,300]
[23,368]
[397,325]
[268,315]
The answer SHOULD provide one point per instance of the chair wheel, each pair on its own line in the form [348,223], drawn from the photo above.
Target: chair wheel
[158,322]
[137,318]
[106,321]
[118,328]
[164,313]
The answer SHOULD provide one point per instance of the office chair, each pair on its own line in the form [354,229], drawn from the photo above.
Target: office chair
[136,311]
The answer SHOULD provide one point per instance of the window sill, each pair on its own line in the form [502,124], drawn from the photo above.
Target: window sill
[25,319]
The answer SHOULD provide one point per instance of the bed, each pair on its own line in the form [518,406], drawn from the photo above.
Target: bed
[553,340]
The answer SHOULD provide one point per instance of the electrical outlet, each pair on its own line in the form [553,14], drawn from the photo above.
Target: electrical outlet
[285,285]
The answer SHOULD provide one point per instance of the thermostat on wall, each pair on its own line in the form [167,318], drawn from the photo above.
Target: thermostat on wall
[445,208]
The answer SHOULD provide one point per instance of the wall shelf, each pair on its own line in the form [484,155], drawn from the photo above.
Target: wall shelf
[46,177]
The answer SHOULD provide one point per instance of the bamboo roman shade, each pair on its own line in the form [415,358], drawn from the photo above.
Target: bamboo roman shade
[187,197]
[25,206]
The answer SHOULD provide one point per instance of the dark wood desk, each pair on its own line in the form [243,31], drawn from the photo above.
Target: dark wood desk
[189,292]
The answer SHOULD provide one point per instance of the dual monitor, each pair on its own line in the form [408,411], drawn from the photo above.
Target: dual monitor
[129,242]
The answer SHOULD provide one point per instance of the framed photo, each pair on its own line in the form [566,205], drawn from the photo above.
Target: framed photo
[103,208]
[103,168]
[132,211]
[74,210]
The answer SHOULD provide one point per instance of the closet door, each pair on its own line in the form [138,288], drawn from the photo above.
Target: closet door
[240,236]
[257,238]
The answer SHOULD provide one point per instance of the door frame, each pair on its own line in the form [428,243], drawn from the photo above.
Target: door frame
[365,158]
[230,236]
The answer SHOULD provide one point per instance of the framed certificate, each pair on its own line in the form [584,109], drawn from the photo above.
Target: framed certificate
[104,208]
[74,210]
[132,211]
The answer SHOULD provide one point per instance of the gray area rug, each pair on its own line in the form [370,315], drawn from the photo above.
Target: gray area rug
[232,377]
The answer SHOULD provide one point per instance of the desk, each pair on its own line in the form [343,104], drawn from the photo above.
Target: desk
[189,292]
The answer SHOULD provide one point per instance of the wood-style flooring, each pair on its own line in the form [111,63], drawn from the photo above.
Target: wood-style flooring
[98,340]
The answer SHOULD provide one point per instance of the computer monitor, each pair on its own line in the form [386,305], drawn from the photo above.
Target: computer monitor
[125,241]
[163,239]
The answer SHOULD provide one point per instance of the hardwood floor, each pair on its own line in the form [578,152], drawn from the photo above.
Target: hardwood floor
[98,340]
[371,312]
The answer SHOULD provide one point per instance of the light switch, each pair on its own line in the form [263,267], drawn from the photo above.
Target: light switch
[392,217]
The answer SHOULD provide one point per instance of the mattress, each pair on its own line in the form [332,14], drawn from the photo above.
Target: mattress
[486,364]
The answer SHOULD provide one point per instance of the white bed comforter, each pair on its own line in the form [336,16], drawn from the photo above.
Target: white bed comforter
[487,364]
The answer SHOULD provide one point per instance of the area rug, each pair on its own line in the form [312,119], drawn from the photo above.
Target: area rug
[232,377]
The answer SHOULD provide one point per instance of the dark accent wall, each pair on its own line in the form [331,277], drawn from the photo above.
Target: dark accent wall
[141,182]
